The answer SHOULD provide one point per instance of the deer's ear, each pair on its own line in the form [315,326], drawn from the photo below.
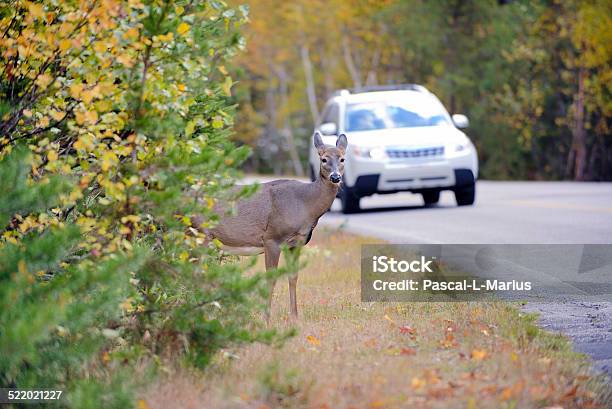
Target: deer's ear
[342,142]
[318,142]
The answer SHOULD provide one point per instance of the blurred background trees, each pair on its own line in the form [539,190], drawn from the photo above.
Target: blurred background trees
[533,76]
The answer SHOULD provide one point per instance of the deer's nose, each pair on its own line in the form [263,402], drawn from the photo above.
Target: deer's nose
[335,177]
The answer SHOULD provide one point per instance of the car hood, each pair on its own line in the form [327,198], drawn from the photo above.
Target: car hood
[421,136]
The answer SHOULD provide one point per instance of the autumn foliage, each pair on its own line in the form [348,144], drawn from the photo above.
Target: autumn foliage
[128,104]
[533,76]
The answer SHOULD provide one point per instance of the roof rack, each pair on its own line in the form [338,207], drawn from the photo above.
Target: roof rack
[374,88]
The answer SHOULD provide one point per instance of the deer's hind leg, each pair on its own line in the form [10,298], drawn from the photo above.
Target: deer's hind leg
[272,254]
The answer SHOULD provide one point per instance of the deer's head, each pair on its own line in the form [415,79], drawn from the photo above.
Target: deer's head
[332,158]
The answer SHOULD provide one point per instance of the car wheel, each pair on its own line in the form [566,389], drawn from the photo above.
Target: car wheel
[431,197]
[349,200]
[465,195]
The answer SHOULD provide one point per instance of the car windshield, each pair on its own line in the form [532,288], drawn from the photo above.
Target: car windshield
[411,112]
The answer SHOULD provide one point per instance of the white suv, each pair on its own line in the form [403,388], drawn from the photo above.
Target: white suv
[400,139]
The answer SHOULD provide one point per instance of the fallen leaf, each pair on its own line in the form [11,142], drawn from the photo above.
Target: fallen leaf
[313,340]
[448,341]
[440,393]
[489,390]
[406,329]
[389,319]
[408,351]
[571,392]
[370,343]
[479,354]
[379,403]
[431,376]
[417,383]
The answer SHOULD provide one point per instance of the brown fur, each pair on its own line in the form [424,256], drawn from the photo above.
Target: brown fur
[284,212]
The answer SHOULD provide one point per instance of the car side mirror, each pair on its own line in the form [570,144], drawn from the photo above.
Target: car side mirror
[461,121]
[328,128]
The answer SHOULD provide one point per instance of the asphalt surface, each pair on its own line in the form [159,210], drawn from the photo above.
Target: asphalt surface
[505,212]
[508,213]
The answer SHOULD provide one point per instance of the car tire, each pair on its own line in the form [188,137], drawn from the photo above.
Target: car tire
[349,200]
[431,197]
[465,195]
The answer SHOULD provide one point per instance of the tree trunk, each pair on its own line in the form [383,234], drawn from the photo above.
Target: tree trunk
[310,84]
[350,63]
[270,137]
[328,73]
[372,78]
[579,132]
[287,131]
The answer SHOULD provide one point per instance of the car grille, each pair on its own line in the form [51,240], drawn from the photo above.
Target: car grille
[407,153]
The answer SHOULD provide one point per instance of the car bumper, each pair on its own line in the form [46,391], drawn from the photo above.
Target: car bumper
[388,177]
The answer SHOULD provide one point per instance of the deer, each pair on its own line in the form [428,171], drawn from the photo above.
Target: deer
[284,212]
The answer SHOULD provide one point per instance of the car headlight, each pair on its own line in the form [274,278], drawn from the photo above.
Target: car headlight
[460,147]
[376,153]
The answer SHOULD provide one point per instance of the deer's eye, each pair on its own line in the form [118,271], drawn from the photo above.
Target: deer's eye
[324,160]
[342,160]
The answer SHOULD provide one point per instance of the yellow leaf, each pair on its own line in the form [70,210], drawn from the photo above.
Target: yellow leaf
[131,34]
[126,60]
[479,354]
[313,340]
[57,115]
[142,404]
[36,10]
[417,383]
[108,160]
[75,90]
[87,117]
[99,47]
[43,80]
[92,116]
[52,156]
[87,96]
[43,122]
[126,305]
[79,117]
[182,28]
[65,44]
[217,122]
[227,86]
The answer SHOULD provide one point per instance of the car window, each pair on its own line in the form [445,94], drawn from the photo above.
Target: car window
[331,114]
[407,113]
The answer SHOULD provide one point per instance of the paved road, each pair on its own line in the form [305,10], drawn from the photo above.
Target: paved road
[505,212]
[508,212]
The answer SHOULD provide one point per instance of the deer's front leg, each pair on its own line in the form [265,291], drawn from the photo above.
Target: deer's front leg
[272,254]
[294,254]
